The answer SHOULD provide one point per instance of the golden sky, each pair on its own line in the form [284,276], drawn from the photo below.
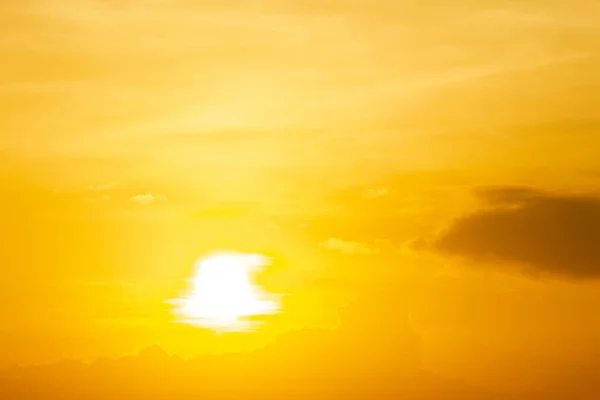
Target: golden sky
[446,151]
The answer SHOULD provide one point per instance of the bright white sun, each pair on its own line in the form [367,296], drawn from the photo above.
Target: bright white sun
[223,294]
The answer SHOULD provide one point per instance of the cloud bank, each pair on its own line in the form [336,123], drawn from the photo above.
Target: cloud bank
[548,233]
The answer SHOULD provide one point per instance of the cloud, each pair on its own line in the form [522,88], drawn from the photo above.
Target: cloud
[545,232]
[370,354]
[374,193]
[106,186]
[348,247]
[148,198]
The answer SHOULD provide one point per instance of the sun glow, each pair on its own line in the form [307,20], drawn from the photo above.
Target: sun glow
[223,294]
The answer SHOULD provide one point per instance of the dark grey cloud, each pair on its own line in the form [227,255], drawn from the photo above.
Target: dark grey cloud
[546,232]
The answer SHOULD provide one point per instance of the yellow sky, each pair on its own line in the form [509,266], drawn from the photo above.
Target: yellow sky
[137,135]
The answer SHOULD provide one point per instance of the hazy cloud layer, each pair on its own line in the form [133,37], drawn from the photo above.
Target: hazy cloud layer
[549,233]
[349,247]
[344,363]
[148,198]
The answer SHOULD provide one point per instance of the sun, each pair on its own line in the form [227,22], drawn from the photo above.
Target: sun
[224,295]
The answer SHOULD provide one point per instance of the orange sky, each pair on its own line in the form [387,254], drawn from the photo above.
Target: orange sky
[447,151]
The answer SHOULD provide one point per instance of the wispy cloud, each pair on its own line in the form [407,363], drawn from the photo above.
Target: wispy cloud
[106,186]
[148,198]
[348,247]
[374,193]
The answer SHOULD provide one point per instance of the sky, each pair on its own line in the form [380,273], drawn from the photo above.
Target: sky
[444,153]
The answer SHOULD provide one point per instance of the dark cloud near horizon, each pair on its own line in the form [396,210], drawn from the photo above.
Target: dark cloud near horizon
[546,232]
